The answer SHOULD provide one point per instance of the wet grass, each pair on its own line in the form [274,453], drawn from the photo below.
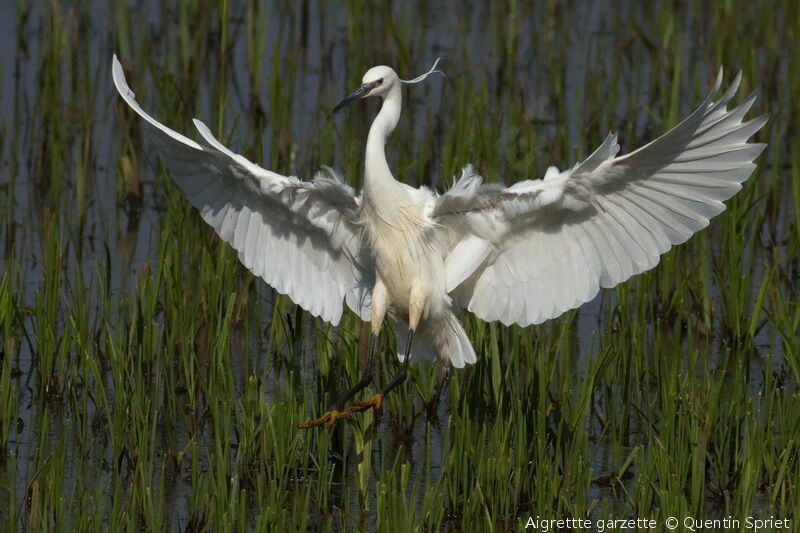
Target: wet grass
[147,381]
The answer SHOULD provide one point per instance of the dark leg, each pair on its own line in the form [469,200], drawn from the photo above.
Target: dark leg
[401,377]
[335,412]
[376,400]
[366,377]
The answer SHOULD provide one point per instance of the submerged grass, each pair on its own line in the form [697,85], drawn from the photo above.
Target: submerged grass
[147,381]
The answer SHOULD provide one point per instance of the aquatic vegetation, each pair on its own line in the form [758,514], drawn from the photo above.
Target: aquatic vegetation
[138,357]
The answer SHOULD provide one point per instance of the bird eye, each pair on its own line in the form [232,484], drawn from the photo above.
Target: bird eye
[379,82]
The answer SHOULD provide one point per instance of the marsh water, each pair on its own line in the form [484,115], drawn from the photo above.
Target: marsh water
[64,145]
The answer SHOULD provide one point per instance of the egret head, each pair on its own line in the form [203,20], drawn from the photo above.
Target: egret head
[378,81]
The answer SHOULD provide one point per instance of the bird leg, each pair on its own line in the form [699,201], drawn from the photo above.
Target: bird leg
[328,420]
[362,405]
[415,310]
[401,377]
[375,401]
[366,377]
[335,412]
[380,304]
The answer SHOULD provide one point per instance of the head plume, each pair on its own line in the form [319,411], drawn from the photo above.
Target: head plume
[423,76]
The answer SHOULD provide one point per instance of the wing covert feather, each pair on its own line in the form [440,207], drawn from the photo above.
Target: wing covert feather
[298,236]
[555,242]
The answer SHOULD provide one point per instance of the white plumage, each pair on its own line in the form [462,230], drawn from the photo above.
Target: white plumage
[554,242]
[521,254]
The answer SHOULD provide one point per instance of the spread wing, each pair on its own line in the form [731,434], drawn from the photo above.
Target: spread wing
[529,252]
[298,236]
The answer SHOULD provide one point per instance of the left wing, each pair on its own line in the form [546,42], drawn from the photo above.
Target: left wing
[301,237]
[527,253]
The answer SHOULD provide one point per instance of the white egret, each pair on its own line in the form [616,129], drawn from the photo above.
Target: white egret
[520,254]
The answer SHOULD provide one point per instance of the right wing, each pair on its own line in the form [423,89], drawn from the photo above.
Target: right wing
[298,236]
[529,252]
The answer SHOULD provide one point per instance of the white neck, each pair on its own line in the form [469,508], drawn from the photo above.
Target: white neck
[378,178]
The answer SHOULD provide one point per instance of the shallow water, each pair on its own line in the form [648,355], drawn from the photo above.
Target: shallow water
[316,36]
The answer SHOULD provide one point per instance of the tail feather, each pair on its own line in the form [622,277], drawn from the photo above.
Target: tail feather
[457,345]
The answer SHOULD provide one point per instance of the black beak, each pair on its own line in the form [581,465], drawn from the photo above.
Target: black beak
[361,92]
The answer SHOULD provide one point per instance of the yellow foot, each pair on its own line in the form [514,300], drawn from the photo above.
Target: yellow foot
[375,402]
[328,419]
